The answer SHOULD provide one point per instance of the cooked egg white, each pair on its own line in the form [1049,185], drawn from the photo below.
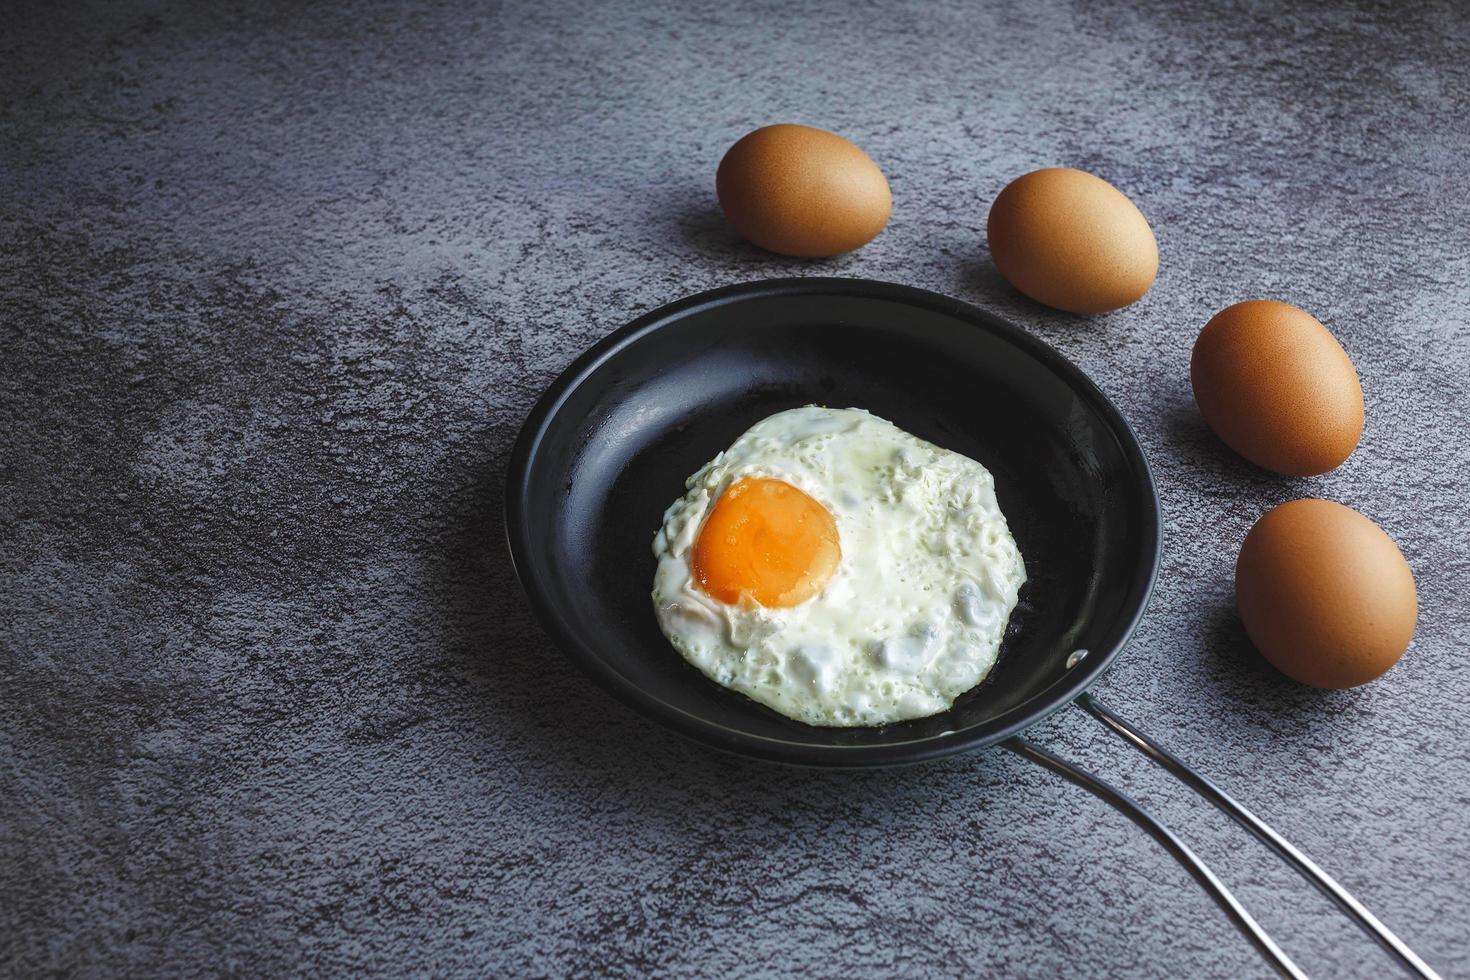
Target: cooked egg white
[908,618]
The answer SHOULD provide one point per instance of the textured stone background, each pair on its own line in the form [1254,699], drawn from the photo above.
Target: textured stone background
[277,286]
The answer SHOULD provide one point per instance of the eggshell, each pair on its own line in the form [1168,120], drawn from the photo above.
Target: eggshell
[1072,240]
[802,191]
[1277,388]
[1325,595]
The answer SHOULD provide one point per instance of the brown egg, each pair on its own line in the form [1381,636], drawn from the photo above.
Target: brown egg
[1073,241]
[1325,595]
[802,191]
[1277,387]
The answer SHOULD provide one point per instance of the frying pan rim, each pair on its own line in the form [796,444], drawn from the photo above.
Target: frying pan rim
[524,455]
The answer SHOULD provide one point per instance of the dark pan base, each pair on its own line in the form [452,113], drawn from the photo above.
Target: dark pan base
[610,445]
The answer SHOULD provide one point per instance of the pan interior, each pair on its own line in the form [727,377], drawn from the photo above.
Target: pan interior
[619,442]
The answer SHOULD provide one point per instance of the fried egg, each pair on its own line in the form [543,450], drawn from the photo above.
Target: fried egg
[837,569]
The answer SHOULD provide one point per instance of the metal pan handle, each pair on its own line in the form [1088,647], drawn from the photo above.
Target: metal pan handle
[1201,872]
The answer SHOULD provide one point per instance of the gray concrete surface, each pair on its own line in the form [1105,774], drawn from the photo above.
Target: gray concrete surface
[277,286]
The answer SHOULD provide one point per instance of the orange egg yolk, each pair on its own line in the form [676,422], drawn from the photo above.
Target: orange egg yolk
[767,540]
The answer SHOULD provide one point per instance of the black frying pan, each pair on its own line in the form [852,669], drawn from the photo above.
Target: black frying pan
[609,446]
